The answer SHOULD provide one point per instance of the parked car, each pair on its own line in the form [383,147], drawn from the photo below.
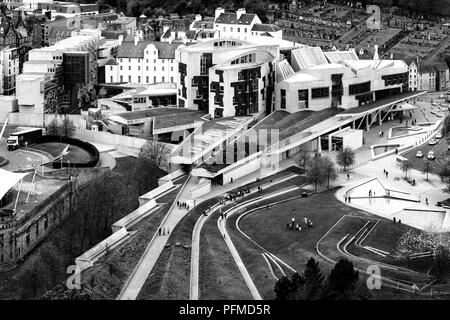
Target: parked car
[419,154]
[432,142]
[438,136]
[430,155]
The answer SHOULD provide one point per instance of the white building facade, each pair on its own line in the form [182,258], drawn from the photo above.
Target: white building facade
[208,72]
[143,62]
[327,81]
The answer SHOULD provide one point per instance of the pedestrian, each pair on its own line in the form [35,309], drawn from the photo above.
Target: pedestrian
[348,176]
[305,219]
[231,179]
[267,207]
[168,230]
[396,151]
[394,220]
[379,134]
[299,228]
[399,221]
[370,192]
[426,201]
[349,199]
[345,197]
[159,231]
[384,171]
[164,231]
[296,227]
[287,226]
[387,174]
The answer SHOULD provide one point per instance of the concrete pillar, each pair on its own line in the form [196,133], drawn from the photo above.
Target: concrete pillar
[380,122]
[329,143]
[319,145]
[354,124]
[367,122]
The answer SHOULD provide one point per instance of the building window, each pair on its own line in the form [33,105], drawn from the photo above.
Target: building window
[323,92]
[162,68]
[111,79]
[146,79]
[303,99]
[129,67]
[129,78]
[121,78]
[154,79]
[139,79]
[283,98]
[171,79]
[359,88]
[154,68]
[163,79]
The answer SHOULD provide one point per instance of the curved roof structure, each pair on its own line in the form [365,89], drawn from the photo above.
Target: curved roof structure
[9,179]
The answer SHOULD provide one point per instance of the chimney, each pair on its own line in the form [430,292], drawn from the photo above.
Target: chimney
[120,39]
[136,39]
[218,12]
[198,17]
[240,12]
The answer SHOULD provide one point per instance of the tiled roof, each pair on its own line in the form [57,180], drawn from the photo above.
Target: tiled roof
[129,50]
[231,18]
[207,24]
[111,62]
[265,27]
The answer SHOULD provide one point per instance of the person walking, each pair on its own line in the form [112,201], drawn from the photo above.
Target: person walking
[159,231]
[426,201]
[348,176]
[349,199]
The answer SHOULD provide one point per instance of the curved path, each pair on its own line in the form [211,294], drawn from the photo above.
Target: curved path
[195,251]
[232,248]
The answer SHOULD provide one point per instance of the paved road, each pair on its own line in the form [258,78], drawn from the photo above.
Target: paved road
[439,150]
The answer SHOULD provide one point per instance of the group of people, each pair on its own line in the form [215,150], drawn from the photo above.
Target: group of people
[395,220]
[182,205]
[163,231]
[347,198]
[298,226]
[371,193]
[385,172]
[235,194]
[381,134]
[223,215]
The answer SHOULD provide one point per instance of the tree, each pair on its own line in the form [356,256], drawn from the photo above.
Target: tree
[342,279]
[53,127]
[427,168]
[313,280]
[446,126]
[406,165]
[444,174]
[284,288]
[329,169]
[346,157]
[304,159]
[315,171]
[156,152]
[68,127]
[32,276]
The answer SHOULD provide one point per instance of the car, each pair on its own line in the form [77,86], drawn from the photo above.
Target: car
[438,110]
[438,136]
[419,154]
[432,142]
[430,155]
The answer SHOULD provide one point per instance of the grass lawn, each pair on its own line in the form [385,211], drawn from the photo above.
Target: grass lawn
[268,228]
[108,276]
[170,275]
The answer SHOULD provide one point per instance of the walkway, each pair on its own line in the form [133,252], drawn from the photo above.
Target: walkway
[232,248]
[195,251]
[133,286]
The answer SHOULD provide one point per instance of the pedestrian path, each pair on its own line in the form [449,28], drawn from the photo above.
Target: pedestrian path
[145,265]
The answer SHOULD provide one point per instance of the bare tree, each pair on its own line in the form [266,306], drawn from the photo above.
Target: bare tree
[346,157]
[329,169]
[304,159]
[406,165]
[427,168]
[315,171]
[156,152]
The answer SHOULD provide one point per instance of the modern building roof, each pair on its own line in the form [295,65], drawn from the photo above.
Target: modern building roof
[154,112]
[338,56]
[204,24]
[308,57]
[9,179]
